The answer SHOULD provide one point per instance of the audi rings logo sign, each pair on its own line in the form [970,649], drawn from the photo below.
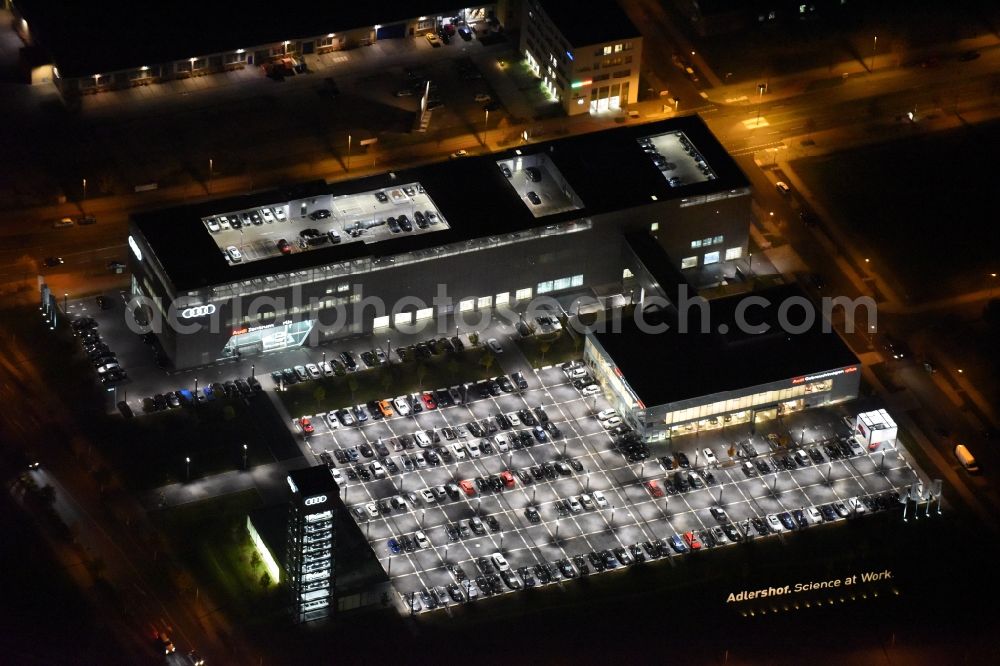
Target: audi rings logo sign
[199,311]
[319,499]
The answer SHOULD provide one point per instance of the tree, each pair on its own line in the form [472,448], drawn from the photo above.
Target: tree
[421,375]
[352,384]
[228,413]
[544,346]
[320,395]
[265,580]
[254,558]
[474,339]
[487,360]
[386,381]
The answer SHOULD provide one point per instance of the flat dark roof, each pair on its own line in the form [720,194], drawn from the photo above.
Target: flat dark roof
[607,169]
[672,366]
[101,36]
[591,22]
[314,481]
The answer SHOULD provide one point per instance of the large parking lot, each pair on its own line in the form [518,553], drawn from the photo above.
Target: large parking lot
[631,515]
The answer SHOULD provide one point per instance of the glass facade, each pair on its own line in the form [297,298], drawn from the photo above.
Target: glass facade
[257,339]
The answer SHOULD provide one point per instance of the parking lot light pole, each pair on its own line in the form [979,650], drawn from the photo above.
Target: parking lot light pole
[187,459]
[533,491]
[211,172]
[349,141]
[244,456]
[196,388]
[253,370]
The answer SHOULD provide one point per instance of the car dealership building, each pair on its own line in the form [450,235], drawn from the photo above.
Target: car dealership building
[729,361]
[456,238]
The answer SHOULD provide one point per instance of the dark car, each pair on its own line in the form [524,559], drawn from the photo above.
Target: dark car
[532,173]
[683,461]
[320,214]
[534,198]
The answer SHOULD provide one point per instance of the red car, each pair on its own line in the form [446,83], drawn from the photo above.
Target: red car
[654,489]
[507,478]
[306,424]
[692,541]
[284,246]
[428,401]
[467,487]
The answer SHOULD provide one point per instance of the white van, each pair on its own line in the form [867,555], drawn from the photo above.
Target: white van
[966,458]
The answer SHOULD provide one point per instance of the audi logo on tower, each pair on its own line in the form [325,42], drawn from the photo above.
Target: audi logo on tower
[198,311]
[319,499]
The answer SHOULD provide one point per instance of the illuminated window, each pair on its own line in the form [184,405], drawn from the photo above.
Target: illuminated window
[381,322]
[712,258]
[695,244]
[689,262]
[655,226]
[734,253]
[523,294]
[402,318]
[545,287]
[465,306]
[607,50]
[503,299]
[716,240]
[425,313]
[484,301]
[626,274]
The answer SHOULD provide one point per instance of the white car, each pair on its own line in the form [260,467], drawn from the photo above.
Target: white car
[377,470]
[326,368]
[612,422]
[574,505]
[578,373]
[500,562]
[483,97]
[421,539]
[372,510]
[458,153]
[422,439]
[593,389]
[494,346]
[234,254]
[782,187]
[599,499]
[331,420]
[856,448]
[459,451]
[855,506]
[586,501]
[427,496]
[419,459]
[473,448]
[774,523]
[279,214]
[515,420]
[338,476]
[501,442]
[814,516]
[267,215]
[213,224]
[313,371]
[710,458]
[402,405]
[606,414]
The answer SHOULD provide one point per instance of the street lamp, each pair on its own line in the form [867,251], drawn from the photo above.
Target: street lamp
[486,124]
[874,46]
[211,172]
[244,456]
[84,191]
[187,459]
[993,284]
[349,142]
[760,100]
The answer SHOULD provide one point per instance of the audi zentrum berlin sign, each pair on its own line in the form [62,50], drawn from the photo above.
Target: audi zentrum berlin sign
[319,499]
[199,311]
